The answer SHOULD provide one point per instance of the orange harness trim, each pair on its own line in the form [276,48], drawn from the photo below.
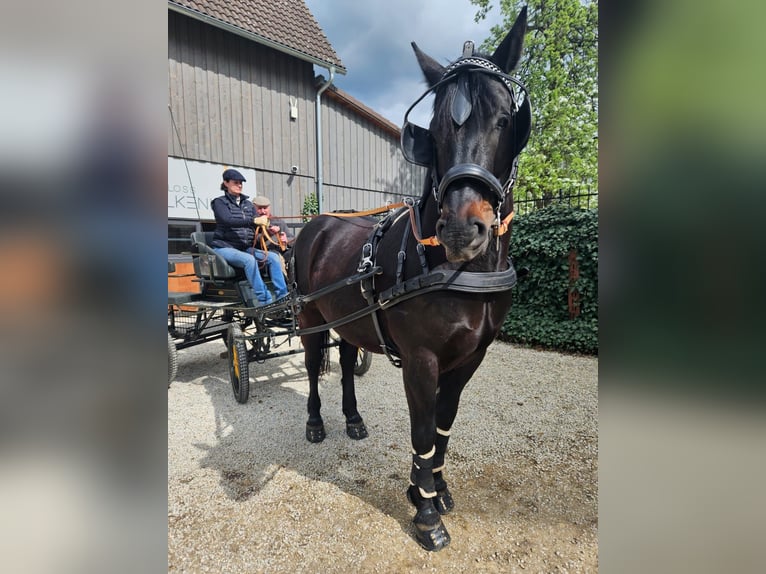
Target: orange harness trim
[429,241]
[262,233]
[432,241]
[503,227]
[369,211]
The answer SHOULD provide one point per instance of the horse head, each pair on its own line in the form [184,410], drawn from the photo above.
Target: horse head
[481,121]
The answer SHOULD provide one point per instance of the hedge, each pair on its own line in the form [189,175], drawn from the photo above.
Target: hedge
[551,309]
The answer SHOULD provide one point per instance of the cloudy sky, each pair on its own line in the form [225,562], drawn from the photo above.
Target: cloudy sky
[372,38]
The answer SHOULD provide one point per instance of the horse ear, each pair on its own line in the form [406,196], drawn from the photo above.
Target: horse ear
[523,126]
[508,53]
[432,70]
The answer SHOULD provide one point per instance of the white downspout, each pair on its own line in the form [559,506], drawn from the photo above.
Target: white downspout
[322,88]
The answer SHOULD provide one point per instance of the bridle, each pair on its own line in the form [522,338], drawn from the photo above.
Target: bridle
[417,142]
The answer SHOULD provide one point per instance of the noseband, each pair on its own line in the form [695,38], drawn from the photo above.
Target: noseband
[417,142]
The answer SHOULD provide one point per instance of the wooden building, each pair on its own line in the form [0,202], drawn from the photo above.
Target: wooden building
[242,93]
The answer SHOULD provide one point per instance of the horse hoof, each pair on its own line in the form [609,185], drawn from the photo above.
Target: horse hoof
[315,433]
[356,431]
[443,501]
[432,539]
[429,528]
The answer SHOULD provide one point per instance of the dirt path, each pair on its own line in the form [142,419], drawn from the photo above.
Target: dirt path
[248,493]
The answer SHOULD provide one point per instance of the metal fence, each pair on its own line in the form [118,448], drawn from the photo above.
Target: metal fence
[525,203]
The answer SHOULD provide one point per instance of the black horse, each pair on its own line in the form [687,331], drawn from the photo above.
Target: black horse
[432,305]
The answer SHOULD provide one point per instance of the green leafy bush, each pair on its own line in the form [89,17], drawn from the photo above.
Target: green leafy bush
[541,316]
[310,206]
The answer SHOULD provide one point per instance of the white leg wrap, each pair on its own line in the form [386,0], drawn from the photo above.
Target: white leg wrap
[428,455]
[422,492]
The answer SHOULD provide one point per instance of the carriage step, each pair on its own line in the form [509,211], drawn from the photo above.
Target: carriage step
[179,298]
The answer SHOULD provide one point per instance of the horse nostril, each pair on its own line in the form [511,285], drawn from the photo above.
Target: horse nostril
[440,225]
[481,228]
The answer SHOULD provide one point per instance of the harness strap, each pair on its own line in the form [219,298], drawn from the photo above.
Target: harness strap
[503,227]
[375,211]
[369,251]
[430,241]
[390,352]
[303,299]
[401,257]
[420,248]
[370,248]
[465,281]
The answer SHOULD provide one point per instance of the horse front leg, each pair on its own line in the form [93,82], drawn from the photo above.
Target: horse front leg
[355,427]
[451,385]
[420,377]
[443,500]
[314,358]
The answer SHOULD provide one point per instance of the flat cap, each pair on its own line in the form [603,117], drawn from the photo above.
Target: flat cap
[233,174]
[261,201]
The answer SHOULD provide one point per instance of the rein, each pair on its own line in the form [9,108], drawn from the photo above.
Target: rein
[262,233]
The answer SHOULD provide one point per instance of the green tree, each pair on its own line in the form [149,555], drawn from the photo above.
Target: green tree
[560,70]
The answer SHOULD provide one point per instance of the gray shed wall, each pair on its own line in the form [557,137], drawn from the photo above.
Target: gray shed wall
[230,98]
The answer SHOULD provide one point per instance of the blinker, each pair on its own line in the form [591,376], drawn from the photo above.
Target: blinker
[461,102]
[417,142]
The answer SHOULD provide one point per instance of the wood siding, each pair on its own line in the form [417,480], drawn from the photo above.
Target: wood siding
[230,99]
[183,280]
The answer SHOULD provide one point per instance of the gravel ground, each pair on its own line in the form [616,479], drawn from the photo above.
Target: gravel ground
[248,493]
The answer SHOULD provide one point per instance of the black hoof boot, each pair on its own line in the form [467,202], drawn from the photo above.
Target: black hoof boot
[356,431]
[443,501]
[432,539]
[429,528]
[315,433]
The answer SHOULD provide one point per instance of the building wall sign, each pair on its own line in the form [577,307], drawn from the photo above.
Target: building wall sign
[191,191]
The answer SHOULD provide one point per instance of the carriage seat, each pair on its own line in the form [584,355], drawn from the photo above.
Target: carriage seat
[207,263]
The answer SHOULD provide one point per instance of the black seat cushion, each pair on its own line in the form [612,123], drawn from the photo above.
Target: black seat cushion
[207,263]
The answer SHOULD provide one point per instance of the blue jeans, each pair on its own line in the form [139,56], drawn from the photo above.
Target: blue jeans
[274,264]
[246,261]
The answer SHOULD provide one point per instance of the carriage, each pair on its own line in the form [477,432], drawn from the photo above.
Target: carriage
[222,310]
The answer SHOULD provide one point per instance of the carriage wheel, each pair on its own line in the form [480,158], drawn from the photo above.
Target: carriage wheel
[239,371]
[172,360]
[363,362]
[243,324]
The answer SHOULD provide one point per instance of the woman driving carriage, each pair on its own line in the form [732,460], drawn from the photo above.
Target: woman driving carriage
[235,217]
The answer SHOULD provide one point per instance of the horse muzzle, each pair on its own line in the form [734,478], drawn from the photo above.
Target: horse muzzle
[464,226]
[466,215]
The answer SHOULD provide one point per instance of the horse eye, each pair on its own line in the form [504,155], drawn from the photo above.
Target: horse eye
[503,122]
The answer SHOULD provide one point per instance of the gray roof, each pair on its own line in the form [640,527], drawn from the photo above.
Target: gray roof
[363,111]
[285,25]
